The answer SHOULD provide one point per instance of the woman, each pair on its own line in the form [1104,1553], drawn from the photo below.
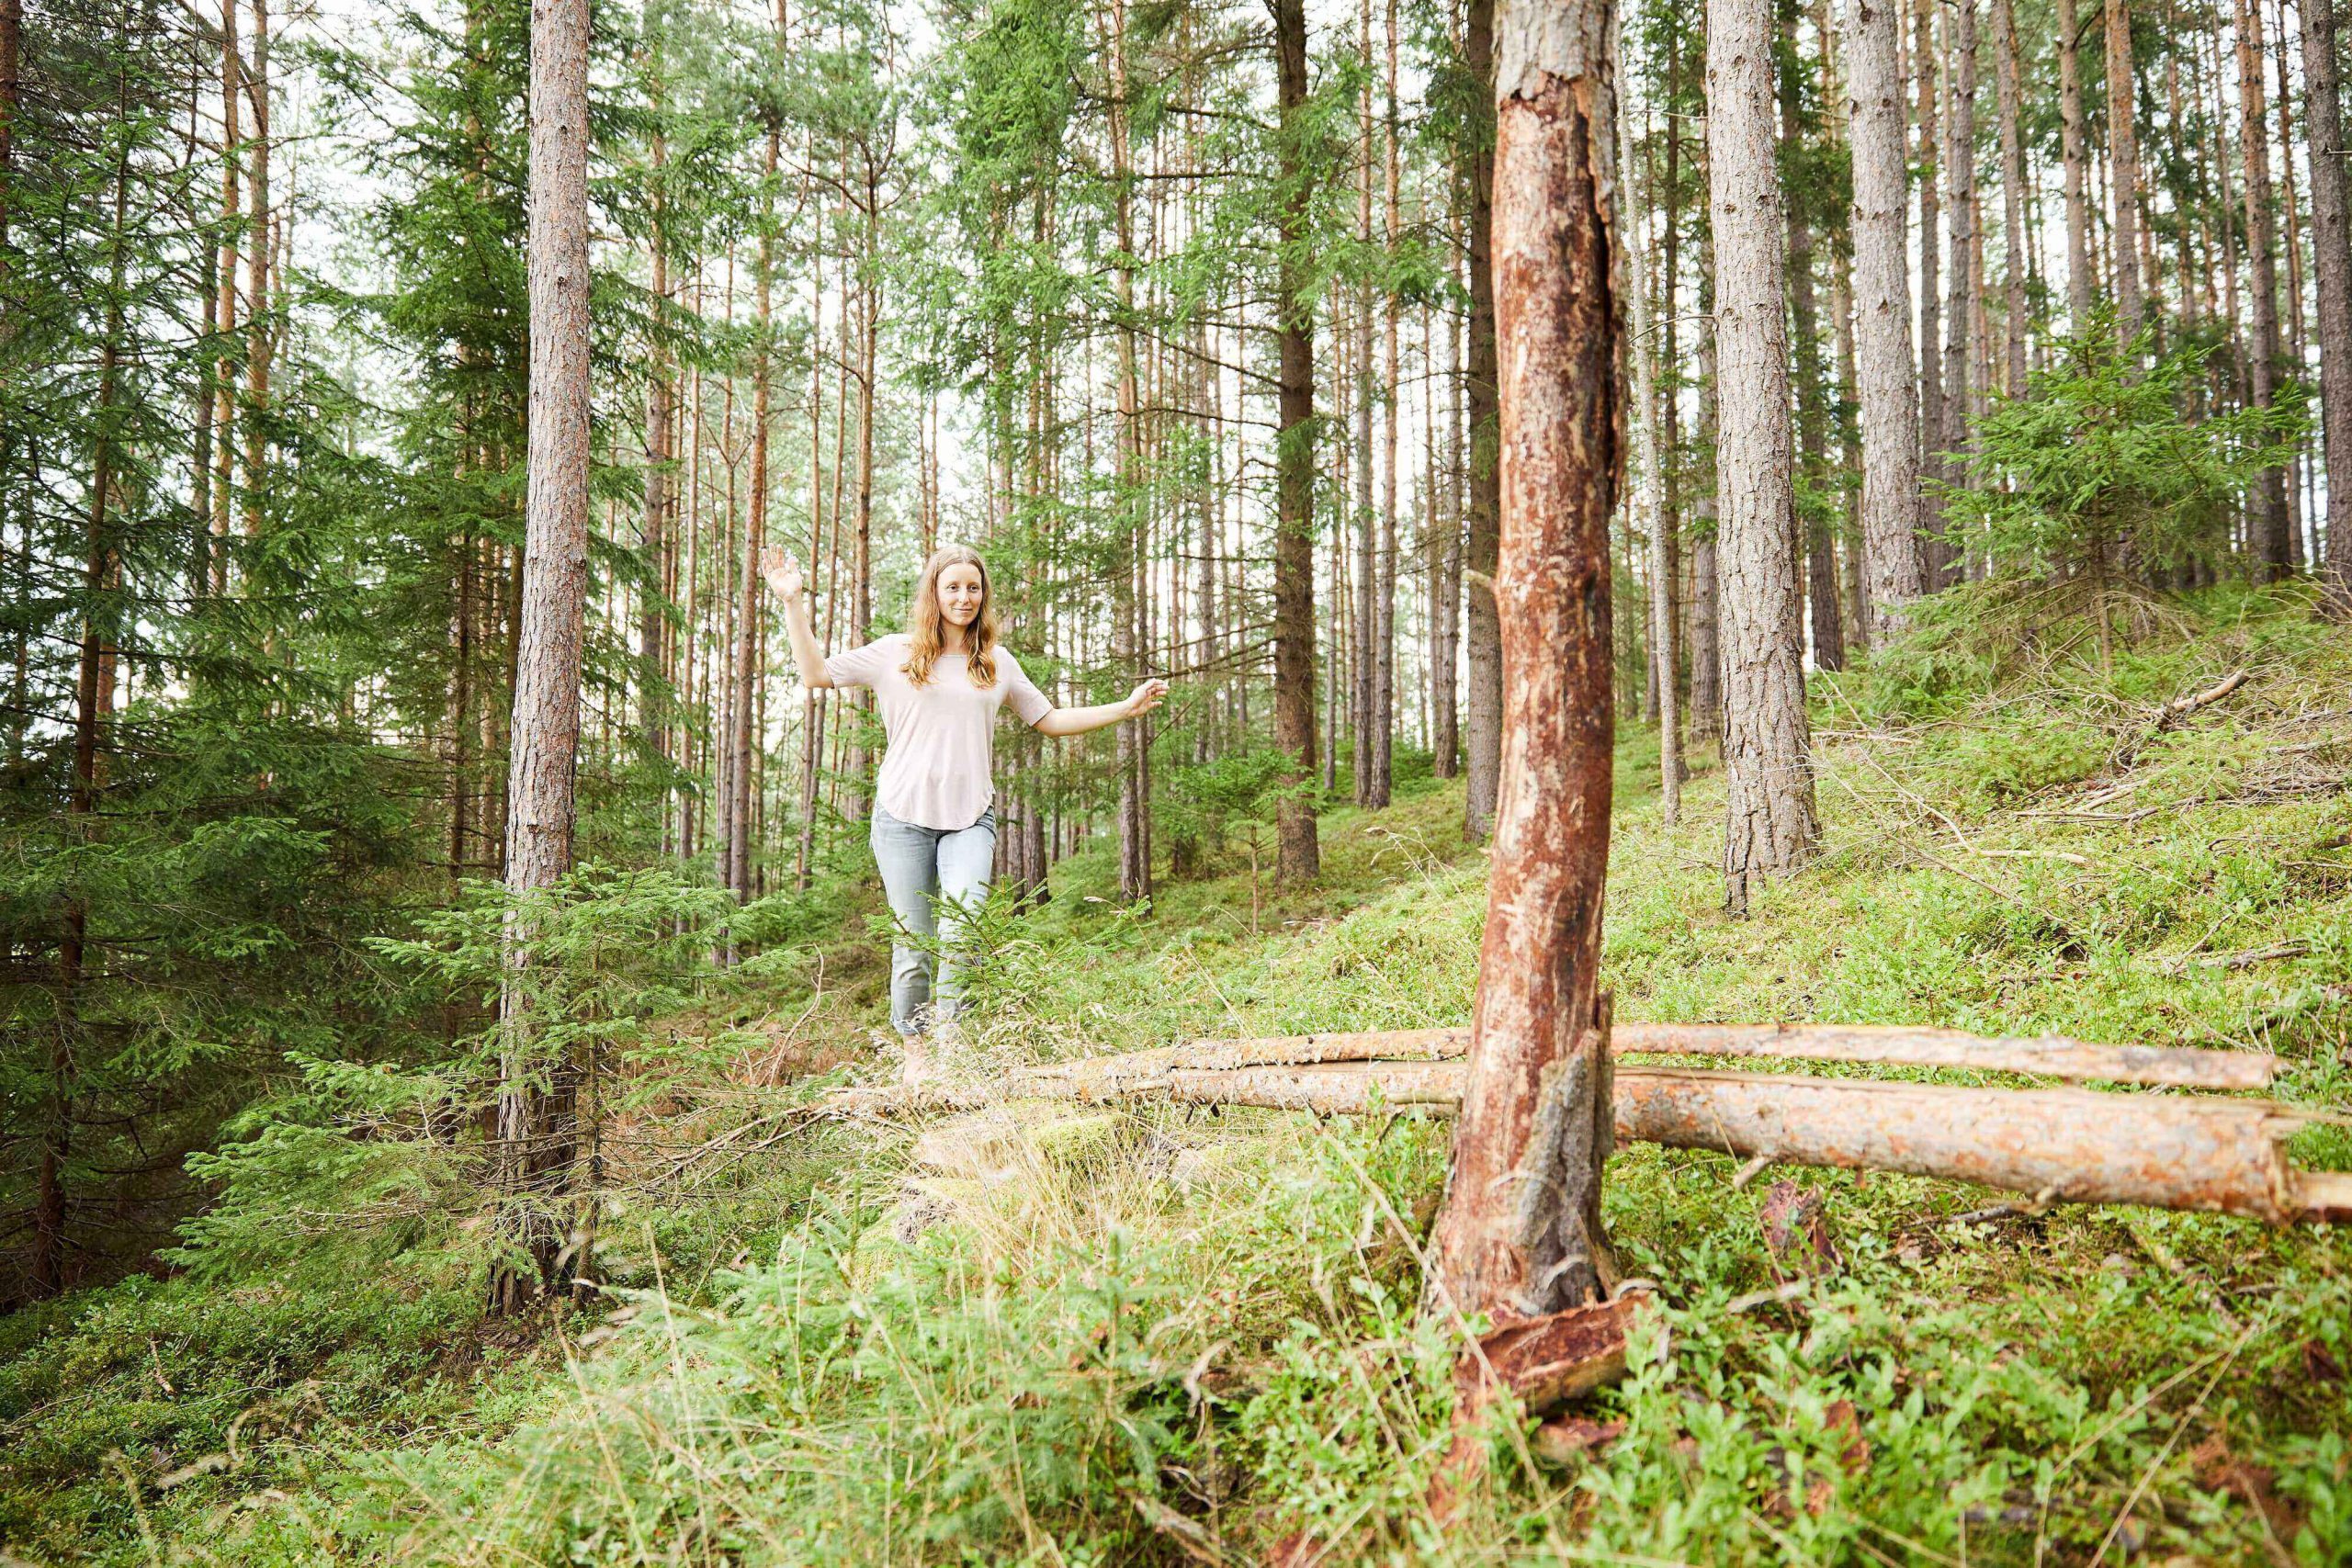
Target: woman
[939,684]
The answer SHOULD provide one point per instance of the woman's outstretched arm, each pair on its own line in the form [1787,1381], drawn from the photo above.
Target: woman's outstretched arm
[1078,721]
[784,581]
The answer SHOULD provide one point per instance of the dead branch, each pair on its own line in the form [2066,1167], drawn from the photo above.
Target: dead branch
[2168,718]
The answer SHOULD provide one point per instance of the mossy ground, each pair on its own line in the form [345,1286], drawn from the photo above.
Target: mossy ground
[1184,1337]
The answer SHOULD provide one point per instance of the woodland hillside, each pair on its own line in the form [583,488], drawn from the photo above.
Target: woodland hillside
[1728,513]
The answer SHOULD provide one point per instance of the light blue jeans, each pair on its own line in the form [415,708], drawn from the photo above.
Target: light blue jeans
[933,877]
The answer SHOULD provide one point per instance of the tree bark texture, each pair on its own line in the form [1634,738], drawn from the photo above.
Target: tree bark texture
[2014,263]
[1963,237]
[1768,761]
[2332,258]
[2123,170]
[1931,303]
[1520,1234]
[2270,541]
[1298,857]
[1482,646]
[546,729]
[1648,510]
[2073,152]
[1883,368]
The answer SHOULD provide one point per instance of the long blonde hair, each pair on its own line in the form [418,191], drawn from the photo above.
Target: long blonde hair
[927,629]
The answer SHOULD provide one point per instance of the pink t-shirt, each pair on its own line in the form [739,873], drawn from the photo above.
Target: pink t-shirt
[935,769]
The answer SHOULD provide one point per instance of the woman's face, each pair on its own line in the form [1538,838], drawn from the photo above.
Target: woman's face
[961,591]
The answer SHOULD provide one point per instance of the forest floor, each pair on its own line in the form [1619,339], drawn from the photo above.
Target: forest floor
[1157,1336]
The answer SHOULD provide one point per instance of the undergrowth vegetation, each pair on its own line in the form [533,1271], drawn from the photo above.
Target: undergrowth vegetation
[1157,1336]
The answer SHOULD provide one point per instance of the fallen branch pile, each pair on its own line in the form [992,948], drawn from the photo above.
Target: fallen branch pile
[2172,1151]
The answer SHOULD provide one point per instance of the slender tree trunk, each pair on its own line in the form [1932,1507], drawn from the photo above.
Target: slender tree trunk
[2014,262]
[1961,302]
[1481,637]
[1890,502]
[2073,152]
[2123,169]
[1299,857]
[661,481]
[1135,858]
[1766,747]
[1812,533]
[1706,581]
[1446,512]
[1932,305]
[1646,512]
[48,1268]
[224,371]
[1384,631]
[1520,1231]
[2270,541]
[2332,260]
[533,1147]
[747,660]
[257,341]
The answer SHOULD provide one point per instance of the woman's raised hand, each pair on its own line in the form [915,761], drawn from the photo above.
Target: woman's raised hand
[783,573]
[1145,697]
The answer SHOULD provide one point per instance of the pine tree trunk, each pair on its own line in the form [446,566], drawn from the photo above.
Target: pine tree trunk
[2013,236]
[1931,304]
[1811,533]
[1766,746]
[2075,153]
[2123,170]
[2269,541]
[1481,637]
[1960,301]
[224,371]
[257,270]
[659,481]
[1520,1231]
[1645,511]
[747,660]
[1135,860]
[1299,857]
[1883,369]
[1706,581]
[1446,596]
[1384,631]
[2332,260]
[533,1144]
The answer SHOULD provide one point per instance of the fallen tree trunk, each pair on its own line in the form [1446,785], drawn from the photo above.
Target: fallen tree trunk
[2080,1146]
[2039,1056]
[2163,1151]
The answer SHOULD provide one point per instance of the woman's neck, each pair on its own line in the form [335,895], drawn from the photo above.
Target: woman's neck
[952,639]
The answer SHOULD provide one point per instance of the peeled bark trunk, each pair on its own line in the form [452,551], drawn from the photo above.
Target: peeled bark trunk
[1768,761]
[1520,1234]
[1298,857]
[2332,260]
[1481,637]
[2268,541]
[533,1144]
[1884,370]
[2123,171]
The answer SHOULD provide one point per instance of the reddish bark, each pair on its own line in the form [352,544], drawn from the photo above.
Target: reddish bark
[1520,1235]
